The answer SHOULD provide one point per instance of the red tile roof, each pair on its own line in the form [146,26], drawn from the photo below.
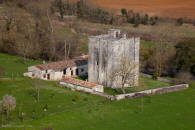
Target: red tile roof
[60,65]
[82,83]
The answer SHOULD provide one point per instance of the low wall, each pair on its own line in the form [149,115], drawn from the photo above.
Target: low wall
[111,97]
[152,92]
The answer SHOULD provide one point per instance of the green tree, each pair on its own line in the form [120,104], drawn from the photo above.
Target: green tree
[137,20]
[130,16]
[145,19]
[152,21]
[80,8]
[185,55]
[124,12]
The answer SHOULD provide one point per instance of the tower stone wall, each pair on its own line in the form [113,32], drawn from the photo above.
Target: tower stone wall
[105,53]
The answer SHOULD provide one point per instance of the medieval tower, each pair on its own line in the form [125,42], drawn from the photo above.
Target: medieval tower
[105,52]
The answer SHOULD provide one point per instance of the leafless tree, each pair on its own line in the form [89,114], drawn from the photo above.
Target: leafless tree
[164,50]
[8,104]
[124,75]
[183,77]
[36,86]
[66,49]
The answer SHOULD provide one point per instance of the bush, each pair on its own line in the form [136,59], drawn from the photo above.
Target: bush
[155,76]
[124,12]
[136,25]
[85,99]
[153,21]
[156,18]
[183,78]
[180,21]
[20,60]
[192,69]
[45,108]
[145,19]
[1,71]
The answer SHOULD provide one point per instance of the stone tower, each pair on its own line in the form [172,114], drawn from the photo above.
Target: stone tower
[105,54]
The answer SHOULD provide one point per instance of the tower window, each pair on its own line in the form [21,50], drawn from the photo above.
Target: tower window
[117,34]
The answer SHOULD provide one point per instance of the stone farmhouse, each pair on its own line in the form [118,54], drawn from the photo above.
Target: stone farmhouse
[104,54]
[56,70]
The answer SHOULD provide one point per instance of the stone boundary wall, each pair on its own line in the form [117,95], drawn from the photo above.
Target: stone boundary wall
[152,92]
[111,97]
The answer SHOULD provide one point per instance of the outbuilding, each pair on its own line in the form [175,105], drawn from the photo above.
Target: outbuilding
[56,70]
[81,85]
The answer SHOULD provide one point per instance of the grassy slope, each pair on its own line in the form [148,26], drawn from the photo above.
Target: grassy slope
[167,111]
[146,82]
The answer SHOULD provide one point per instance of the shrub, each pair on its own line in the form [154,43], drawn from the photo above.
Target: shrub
[89,111]
[76,97]
[20,60]
[192,69]
[179,21]
[155,76]
[124,12]
[183,78]
[1,71]
[85,99]
[52,95]
[45,108]
[145,19]
[156,18]
[136,25]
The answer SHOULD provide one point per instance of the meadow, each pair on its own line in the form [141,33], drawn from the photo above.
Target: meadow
[77,110]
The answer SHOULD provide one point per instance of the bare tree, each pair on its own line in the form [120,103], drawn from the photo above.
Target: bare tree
[66,49]
[124,76]
[183,77]
[23,35]
[8,104]
[37,85]
[164,50]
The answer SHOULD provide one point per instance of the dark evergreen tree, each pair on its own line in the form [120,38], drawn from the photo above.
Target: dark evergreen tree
[124,12]
[180,21]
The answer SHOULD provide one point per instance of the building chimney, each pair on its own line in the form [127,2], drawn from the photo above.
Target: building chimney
[114,33]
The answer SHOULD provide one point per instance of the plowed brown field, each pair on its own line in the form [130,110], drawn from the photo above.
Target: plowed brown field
[168,8]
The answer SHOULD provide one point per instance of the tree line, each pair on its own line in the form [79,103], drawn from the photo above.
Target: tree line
[28,30]
[169,59]
[136,18]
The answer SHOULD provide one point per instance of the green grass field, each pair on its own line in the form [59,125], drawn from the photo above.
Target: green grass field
[77,110]
[147,83]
